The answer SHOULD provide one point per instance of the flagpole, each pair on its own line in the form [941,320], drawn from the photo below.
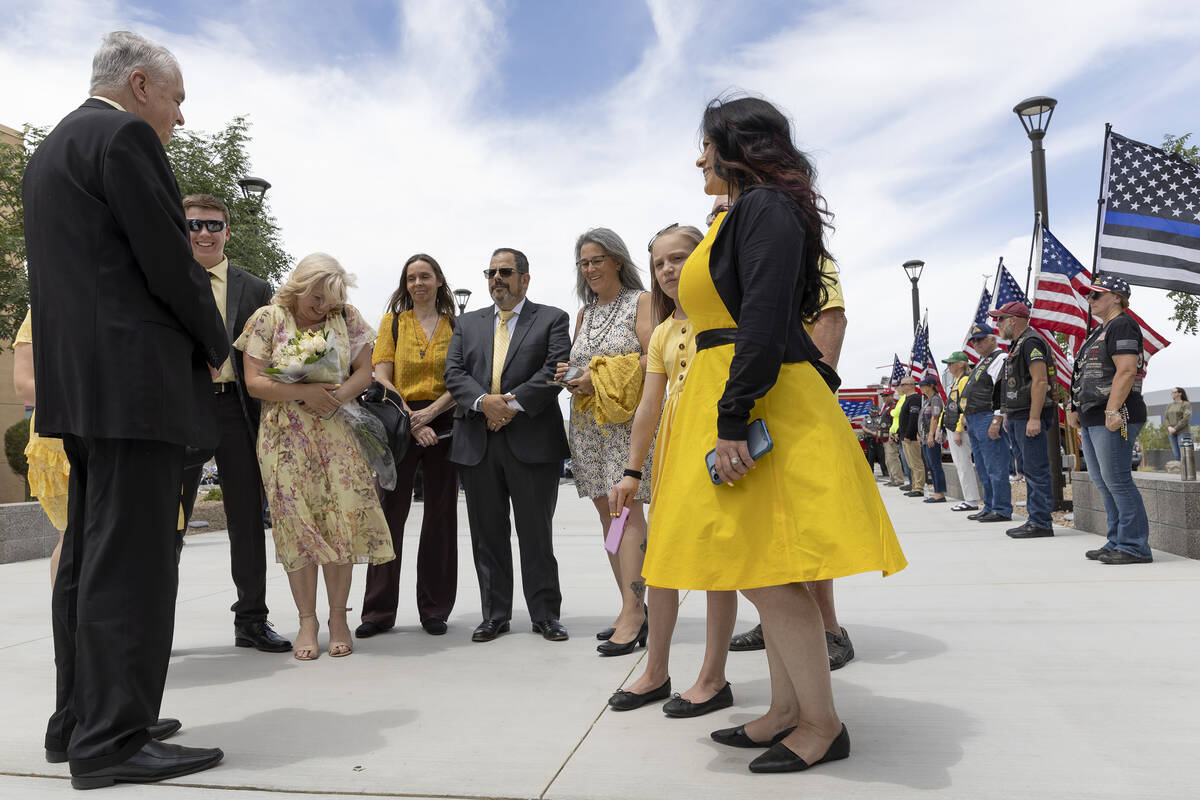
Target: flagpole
[1033,244]
[1100,199]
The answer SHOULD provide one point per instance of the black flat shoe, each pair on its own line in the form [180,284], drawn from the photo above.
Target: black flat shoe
[489,629]
[551,630]
[750,640]
[1028,531]
[628,701]
[611,648]
[606,634]
[434,627]
[780,758]
[259,635]
[679,708]
[165,728]
[156,761]
[369,629]
[736,737]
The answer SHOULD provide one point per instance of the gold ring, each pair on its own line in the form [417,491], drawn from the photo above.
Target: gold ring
[613,515]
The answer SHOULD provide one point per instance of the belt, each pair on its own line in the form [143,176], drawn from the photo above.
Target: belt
[715,337]
[222,388]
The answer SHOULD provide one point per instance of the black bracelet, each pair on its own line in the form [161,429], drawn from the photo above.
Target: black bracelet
[633,473]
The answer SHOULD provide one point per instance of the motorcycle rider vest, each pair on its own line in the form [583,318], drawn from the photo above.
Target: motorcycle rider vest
[1094,371]
[977,394]
[1018,380]
[954,406]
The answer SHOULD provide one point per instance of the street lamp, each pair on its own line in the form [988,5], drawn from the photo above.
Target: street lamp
[913,270]
[254,189]
[461,296]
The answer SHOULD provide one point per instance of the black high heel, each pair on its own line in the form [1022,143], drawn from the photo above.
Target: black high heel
[611,648]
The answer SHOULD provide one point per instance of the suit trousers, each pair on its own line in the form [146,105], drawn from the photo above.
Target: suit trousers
[895,470]
[498,479]
[114,597]
[242,497]
[437,554]
[916,463]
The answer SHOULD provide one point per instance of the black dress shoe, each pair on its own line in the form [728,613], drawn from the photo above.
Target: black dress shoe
[551,630]
[163,729]
[611,648]
[907,487]
[434,627]
[780,758]
[1028,531]
[977,514]
[678,707]
[156,761]
[368,629]
[736,737]
[606,634]
[750,640]
[489,629]
[1121,557]
[992,516]
[914,493]
[1094,555]
[260,635]
[628,701]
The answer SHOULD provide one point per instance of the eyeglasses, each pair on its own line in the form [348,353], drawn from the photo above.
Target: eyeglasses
[503,272]
[584,263]
[654,238]
[213,225]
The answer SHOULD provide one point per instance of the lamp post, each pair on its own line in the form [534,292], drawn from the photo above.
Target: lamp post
[913,270]
[254,189]
[461,296]
[1035,114]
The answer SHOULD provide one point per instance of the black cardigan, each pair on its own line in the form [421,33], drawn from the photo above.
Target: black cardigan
[757,266]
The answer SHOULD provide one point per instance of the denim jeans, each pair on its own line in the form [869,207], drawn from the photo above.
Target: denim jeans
[1174,437]
[933,463]
[1035,464]
[1110,465]
[992,458]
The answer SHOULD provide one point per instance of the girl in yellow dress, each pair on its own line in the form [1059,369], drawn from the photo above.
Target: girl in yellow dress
[807,510]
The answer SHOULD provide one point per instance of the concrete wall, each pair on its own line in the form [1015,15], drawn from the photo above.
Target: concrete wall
[1172,505]
[25,532]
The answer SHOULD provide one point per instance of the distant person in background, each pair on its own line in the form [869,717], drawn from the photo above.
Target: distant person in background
[909,434]
[1178,418]
[929,434]
[954,424]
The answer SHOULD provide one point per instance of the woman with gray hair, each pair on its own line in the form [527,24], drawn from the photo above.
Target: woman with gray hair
[612,333]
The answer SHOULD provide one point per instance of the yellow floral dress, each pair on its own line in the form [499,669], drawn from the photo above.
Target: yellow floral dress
[49,469]
[319,488]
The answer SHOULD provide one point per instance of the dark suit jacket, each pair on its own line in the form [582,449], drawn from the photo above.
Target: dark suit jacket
[541,340]
[245,293]
[123,317]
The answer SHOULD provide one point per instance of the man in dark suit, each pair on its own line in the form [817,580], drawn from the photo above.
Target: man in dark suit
[238,294]
[124,322]
[509,441]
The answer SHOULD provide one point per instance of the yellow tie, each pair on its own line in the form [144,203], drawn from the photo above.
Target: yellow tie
[500,349]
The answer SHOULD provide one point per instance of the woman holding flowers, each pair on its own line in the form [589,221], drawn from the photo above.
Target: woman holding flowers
[319,487]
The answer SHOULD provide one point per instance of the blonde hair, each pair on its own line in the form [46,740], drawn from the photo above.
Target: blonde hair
[317,270]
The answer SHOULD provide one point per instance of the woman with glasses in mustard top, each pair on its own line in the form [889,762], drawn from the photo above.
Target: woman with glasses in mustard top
[410,357]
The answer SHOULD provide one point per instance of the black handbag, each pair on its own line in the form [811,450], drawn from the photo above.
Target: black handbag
[388,407]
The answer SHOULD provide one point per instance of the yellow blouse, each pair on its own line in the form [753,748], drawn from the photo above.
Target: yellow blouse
[418,363]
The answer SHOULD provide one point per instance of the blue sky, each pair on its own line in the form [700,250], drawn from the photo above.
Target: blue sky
[389,128]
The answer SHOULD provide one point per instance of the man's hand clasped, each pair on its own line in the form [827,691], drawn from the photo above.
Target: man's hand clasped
[497,410]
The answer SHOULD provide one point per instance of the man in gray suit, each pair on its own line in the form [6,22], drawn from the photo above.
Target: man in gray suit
[509,442]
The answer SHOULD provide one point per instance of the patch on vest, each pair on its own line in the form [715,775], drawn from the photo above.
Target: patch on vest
[1036,354]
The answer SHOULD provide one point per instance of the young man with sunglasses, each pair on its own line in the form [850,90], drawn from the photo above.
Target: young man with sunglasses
[238,295]
[509,441]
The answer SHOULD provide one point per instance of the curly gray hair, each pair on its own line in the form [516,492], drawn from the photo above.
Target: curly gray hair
[122,52]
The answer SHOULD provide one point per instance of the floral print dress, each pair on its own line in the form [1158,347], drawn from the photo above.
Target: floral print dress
[319,488]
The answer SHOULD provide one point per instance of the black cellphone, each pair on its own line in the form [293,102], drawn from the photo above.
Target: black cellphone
[758,441]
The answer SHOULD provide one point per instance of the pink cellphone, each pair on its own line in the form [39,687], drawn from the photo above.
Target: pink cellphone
[616,529]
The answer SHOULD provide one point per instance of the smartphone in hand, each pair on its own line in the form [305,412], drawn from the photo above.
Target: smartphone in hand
[758,442]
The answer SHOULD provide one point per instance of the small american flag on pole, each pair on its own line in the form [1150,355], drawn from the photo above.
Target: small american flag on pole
[1008,290]
[981,319]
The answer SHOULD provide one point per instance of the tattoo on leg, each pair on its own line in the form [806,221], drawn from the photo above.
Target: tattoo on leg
[643,546]
[639,588]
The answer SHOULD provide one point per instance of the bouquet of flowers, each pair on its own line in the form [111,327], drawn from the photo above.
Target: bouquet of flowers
[307,357]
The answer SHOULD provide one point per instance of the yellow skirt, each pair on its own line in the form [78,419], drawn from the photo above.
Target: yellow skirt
[809,510]
[49,473]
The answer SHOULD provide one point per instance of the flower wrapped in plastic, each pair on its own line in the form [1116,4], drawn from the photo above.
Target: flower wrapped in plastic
[372,443]
[307,357]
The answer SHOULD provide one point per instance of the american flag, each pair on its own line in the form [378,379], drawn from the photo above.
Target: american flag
[923,363]
[1150,220]
[856,405]
[981,319]
[855,409]
[1007,290]
[898,371]
[1059,300]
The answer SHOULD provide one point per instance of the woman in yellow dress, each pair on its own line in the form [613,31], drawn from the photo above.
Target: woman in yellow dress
[49,469]
[807,510]
[320,490]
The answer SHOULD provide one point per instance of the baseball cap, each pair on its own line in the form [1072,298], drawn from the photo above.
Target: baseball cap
[1012,308]
[978,332]
[928,380]
[957,355]
[1110,283]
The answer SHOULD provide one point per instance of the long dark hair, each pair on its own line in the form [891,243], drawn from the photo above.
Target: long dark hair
[1182,394]
[402,301]
[752,141]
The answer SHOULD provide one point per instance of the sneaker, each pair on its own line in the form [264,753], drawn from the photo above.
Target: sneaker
[1029,531]
[1121,557]
[992,516]
[1094,555]
[841,651]
[907,487]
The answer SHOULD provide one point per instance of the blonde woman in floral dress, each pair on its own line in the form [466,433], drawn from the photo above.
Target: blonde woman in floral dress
[48,465]
[319,488]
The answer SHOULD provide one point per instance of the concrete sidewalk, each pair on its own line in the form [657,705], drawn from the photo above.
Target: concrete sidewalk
[989,668]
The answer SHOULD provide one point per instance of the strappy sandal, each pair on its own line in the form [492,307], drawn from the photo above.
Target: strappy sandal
[750,640]
[339,649]
[297,649]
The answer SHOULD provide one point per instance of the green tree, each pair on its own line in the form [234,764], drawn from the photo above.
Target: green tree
[203,163]
[1187,306]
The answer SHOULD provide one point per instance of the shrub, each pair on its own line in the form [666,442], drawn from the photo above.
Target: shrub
[15,440]
[1154,437]
[213,494]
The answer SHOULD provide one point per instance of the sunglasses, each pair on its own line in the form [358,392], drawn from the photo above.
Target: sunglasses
[213,225]
[654,238]
[1095,295]
[503,272]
